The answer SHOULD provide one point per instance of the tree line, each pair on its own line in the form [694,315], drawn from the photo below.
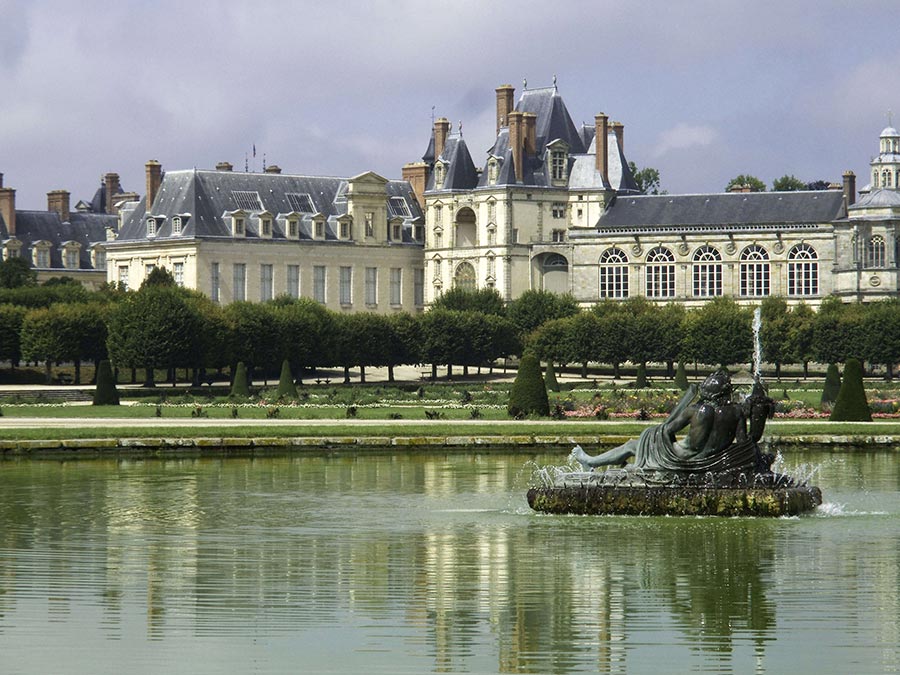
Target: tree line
[165,327]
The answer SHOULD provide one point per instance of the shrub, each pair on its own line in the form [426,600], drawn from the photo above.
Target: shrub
[832,385]
[851,404]
[528,394]
[681,380]
[106,392]
[286,388]
[240,388]
[550,378]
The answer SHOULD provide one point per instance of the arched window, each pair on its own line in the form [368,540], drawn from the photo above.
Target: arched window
[707,272]
[875,251]
[803,270]
[466,233]
[464,277]
[660,273]
[613,274]
[554,273]
[754,272]
[875,179]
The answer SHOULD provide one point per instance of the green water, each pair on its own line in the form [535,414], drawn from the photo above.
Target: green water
[430,563]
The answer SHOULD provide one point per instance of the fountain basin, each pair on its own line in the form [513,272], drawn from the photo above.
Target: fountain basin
[625,493]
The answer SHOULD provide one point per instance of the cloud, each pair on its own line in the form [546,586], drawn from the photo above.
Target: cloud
[685,136]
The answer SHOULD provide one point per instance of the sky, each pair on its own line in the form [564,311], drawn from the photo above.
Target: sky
[706,89]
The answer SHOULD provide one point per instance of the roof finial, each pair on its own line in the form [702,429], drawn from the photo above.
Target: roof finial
[554,83]
[460,127]
[246,163]
[264,162]
[432,115]
[524,83]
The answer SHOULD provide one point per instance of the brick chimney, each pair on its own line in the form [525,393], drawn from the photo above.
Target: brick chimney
[530,120]
[849,188]
[417,175]
[505,93]
[58,202]
[441,131]
[273,168]
[111,183]
[517,143]
[8,209]
[224,166]
[154,179]
[619,130]
[601,160]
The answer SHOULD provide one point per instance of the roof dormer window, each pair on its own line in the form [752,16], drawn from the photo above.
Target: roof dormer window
[98,257]
[396,231]
[318,228]
[558,165]
[176,226]
[40,254]
[265,226]
[399,207]
[238,226]
[438,176]
[151,226]
[493,171]
[293,228]
[71,257]
[344,229]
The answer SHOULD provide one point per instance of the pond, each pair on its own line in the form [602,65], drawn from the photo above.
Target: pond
[430,563]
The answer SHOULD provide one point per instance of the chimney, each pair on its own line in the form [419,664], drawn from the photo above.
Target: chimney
[1,180]
[505,94]
[224,166]
[849,188]
[441,131]
[601,160]
[619,130]
[530,121]
[154,179]
[111,182]
[417,175]
[8,209]
[517,143]
[58,202]
[273,168]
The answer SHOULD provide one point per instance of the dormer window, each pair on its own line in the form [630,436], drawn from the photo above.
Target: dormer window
[238,228]
[98,257]
[293,228]
[318,228]
[493,171]
[71,258]
[344,229]
[151,226]
[40,254]
[399,207]
[12,248]
[396,231]
[370,224]
[438,176]
[265,228]
[558,161]
[176,226]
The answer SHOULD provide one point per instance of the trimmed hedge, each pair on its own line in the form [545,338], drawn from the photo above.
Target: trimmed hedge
[106,392]
[832,385]
[851,404]
[240,388]
[286,388]
[681,380]
[550,380]
[528,394]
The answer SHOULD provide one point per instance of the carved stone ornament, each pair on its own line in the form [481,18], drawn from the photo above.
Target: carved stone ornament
[778,247]
[683,248]
[730,248]
[874,281]
[637,250]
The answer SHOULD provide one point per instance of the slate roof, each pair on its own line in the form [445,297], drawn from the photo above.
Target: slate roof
[202,198]
[721,210]
[880,198]
[461,173]
[85,228]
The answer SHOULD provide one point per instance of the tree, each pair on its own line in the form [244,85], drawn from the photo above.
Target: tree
[614,332]
[256,336]
[681,380]
[11,318]
[818,185]
[838,332]
[534,307]
[719,333]
[405,341]
[484,300]
[552,341]
[528,394]
[240,388]
[286,388]
[50,335]
[305,327]
[881,327]
[16,273]
[788,184]
[159,276]
[754,183]
[106,392]
[647,179]
[550,380]
[774,331]
[832,385]
[851,404]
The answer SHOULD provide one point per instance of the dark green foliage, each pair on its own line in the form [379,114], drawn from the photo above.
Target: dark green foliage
[11,318]
[647,179]
[534,308]
[681,380]
[788,184]
[550,378]
[159,276]
[832,385]
[851,404]
[256,334]
[16,272]
[719,333]
[44,296]
[106,392]
[756,185]
[483,300]
[240,388]
[528,395]
[286,388]
[641,380]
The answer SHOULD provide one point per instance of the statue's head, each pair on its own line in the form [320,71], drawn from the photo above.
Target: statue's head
[717,387]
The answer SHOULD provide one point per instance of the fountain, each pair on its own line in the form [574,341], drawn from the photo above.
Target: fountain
[717,468]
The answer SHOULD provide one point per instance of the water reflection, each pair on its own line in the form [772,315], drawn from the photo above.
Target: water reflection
[430,563]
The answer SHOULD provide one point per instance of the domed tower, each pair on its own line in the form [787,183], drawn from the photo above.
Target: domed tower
[885,172]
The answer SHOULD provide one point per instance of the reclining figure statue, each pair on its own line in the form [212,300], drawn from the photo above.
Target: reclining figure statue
[717,439]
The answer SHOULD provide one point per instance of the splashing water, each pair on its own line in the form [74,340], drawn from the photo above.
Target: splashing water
[757,344]
[549,475]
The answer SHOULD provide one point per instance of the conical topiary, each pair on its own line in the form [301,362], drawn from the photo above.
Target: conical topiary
[681,380]
[851,404]
[240,388]
[832,385]
[550,377]
[641,379]
[528,394]
[106,392]
[286,388]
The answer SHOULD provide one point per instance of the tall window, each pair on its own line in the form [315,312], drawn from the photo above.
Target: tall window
[266,282]
[71,258]
[803,270]
[319,283]
[419,286]
[346,285]
[491,266]
[558,165]
[178,273]
[151,227]
[123,276]
[464,277]
[754,272]
[345,230]
[707,272]
[370,224]
[438,215]
[293,229]
[492,211]
[558,210]
[396,284]
[319,228]
[371,285]
[214,281]
[176,226]
[43,257]
[558,236]
[875,251]
[239,281]
[613,274]
[660,273]
[293,281]
[265,227]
